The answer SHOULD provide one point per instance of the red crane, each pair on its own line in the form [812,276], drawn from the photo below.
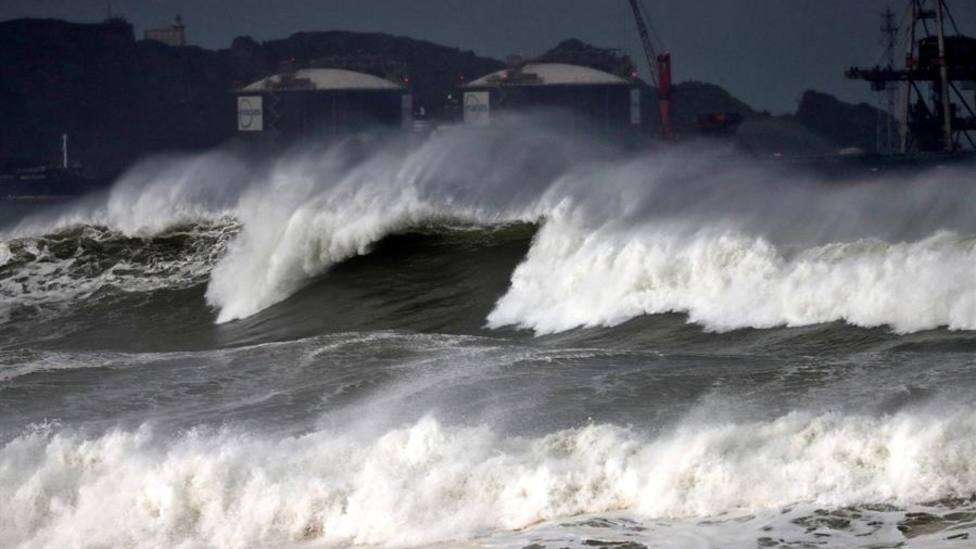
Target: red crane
[660,70]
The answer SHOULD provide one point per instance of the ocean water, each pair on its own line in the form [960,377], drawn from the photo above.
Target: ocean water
[493,338]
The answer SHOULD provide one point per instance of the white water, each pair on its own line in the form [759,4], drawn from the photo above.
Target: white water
[427,482]
[726,280]
[51,279]
[738,246]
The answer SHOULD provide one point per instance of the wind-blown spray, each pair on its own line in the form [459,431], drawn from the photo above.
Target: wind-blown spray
[727,241]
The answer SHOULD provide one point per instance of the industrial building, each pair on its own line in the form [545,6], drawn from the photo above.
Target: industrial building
[172,35]
[608,101]
[315,103]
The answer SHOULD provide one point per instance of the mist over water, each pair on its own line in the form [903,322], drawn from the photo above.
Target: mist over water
[690,229]
[503,337]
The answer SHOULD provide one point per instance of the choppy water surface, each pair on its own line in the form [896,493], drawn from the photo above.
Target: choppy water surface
[499,338]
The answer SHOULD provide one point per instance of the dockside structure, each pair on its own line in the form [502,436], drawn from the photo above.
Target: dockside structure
[320,102]
[608,101]
[940,118]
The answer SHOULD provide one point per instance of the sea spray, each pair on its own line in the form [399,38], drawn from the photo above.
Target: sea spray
[153,196]
[342,213]
[688,229]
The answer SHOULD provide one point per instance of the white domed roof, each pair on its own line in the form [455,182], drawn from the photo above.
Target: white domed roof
[322,79]
[549,74]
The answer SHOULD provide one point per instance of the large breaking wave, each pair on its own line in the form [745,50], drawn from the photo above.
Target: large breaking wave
[728,241]
[726,280]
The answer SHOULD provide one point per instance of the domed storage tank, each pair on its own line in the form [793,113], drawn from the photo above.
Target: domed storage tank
[607,100]
[312,103]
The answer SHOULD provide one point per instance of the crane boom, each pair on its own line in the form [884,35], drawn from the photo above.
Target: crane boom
[659,67]
[645,37]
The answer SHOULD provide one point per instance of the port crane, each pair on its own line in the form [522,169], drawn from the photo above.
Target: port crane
[946,64]
[659,63]
[660,71]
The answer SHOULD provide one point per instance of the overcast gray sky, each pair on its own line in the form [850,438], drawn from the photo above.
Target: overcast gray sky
[766,52]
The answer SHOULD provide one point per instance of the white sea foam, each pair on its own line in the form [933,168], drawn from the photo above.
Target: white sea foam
[59,269]
[428,482]
[729,279]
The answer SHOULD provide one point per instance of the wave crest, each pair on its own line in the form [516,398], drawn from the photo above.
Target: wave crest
[746,245]
[729,280]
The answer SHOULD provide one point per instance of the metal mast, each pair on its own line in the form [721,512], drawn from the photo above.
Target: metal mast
[930,122]
[645,37]
[903,129]
[944,78]
[886,137]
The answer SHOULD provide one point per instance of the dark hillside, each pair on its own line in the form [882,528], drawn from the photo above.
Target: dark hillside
[845,124]
[120,99]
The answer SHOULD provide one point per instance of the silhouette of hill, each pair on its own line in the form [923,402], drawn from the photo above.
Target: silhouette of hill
[844,124]
[119,98]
